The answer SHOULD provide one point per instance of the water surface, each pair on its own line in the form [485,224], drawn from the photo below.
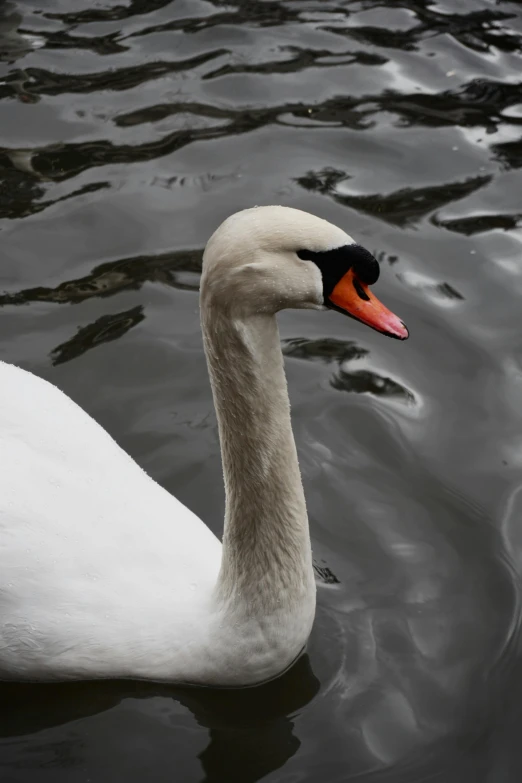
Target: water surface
[128,130]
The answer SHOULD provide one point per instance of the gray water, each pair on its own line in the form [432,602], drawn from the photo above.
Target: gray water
[128,130]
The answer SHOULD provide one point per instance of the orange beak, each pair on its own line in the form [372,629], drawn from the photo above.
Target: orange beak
[354,298]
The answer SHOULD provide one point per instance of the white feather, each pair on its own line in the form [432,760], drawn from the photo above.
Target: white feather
[102,572]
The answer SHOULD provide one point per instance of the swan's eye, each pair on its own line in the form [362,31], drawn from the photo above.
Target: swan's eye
[334,264]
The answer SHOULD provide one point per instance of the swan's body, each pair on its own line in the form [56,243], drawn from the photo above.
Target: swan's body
[102,572]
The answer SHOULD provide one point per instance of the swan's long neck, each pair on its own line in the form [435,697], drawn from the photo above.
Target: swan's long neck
[266,561]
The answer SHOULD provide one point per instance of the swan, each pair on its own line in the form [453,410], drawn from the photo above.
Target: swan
[103,574]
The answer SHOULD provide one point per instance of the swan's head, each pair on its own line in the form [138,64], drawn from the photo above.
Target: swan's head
[265,259]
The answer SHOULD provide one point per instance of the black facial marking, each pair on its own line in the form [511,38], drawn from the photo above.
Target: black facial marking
[365,266]
[334,264]
[361,293]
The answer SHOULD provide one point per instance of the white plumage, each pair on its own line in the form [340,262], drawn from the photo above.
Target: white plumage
[102,572]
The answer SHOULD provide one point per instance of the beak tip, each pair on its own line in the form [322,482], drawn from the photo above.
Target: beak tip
[404,333]
[395,328]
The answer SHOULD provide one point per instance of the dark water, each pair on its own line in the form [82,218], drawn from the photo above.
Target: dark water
[128,131]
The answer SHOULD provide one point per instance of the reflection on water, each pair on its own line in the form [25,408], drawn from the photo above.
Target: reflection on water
[341,352]
[403,207]
[128,131]
[105,328]
[117,276]
[250,733]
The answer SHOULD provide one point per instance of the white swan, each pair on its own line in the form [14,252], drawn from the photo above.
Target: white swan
[102,572]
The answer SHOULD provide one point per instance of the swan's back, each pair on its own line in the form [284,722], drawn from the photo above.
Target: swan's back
[91,547]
